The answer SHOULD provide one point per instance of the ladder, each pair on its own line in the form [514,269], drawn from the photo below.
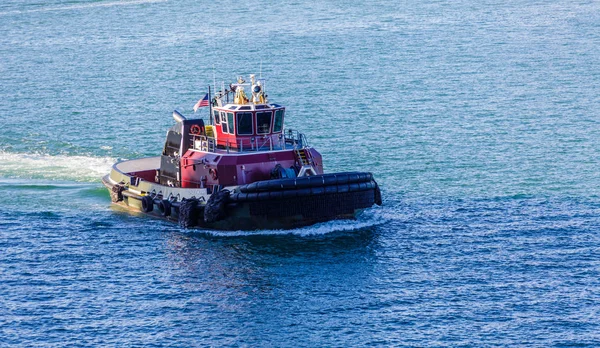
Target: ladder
[303,157]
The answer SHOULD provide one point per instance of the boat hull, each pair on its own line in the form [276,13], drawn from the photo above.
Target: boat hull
[270,204]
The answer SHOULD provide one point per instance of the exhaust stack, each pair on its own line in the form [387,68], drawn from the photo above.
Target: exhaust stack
[178,117]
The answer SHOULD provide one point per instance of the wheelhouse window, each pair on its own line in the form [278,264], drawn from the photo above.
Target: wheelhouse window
[224,122]
[230,122]
[217,118]
[244,123]
[278,124]
[263,122]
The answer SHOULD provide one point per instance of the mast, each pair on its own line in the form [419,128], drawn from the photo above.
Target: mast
[210,107]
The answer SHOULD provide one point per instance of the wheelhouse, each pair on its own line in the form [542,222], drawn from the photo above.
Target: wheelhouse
[246,123]
[245,126]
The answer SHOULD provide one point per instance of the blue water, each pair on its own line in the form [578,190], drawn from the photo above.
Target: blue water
[479,119]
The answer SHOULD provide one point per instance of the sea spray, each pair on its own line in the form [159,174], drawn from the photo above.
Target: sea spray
[54,167]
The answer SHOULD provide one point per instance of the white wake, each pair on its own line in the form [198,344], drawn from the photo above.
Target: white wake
[83,6]
[59,167]
[369,218]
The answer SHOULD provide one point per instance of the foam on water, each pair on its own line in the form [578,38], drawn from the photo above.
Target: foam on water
[478,119]
[83,6]
[57,167]
[369,218]
[38,185]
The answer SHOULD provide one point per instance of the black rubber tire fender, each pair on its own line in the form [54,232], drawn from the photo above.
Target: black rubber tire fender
[188,213]
[377,193]
[147,204]
[306,182]
[215,208]
[116,193]
[164,206]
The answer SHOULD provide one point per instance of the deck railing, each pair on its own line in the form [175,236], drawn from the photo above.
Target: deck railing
[288,139]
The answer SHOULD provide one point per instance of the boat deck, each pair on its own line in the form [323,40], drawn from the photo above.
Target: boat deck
[138,165]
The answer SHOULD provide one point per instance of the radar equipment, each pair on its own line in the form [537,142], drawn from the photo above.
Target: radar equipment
[258,96]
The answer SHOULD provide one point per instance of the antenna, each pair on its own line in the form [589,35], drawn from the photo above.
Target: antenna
[214,79]
[210,106]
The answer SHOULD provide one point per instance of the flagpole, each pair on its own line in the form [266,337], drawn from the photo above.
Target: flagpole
[210,106]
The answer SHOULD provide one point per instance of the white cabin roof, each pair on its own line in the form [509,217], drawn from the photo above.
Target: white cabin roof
[250,107]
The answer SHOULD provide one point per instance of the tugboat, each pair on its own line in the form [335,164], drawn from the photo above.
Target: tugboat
[242,171]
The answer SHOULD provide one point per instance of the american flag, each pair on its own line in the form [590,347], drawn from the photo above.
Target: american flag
[202,102]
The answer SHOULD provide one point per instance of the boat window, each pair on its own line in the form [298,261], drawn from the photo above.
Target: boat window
[230,122]
[261,107]
[232,107]
[263,122]
[224,122]
[217,119]
[244,123]
[245,108]
[278,124]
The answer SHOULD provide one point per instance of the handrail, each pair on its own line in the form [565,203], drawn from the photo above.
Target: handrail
[257,143]
[296,138]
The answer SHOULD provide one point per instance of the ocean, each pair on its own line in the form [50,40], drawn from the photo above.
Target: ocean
[479,119]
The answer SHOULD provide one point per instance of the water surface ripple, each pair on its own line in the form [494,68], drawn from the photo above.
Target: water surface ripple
[479,120]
